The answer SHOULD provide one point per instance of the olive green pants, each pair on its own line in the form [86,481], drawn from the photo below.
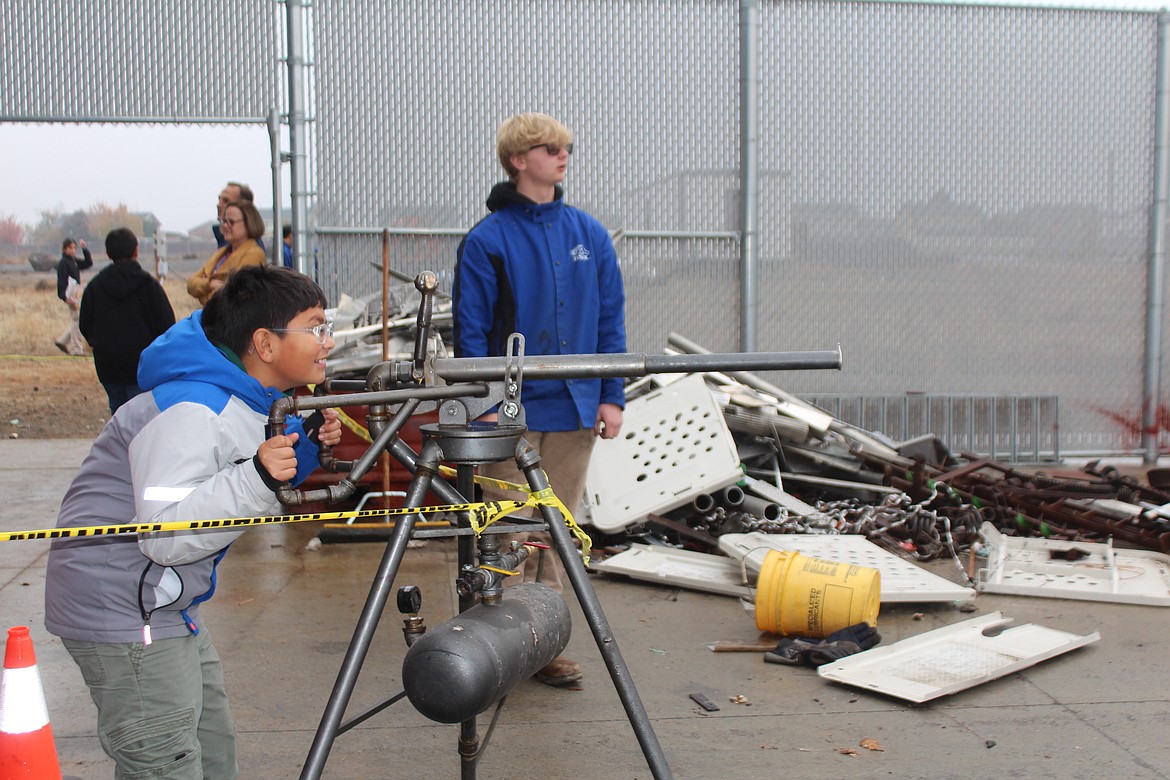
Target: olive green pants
[162,709]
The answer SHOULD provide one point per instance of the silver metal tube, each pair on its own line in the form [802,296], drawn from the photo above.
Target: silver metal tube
[1156,262]
[749,157]
[633,364]
[277,198]
[298,159]
[394,231]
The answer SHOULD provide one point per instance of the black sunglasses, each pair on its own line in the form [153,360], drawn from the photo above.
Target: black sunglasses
[553,149]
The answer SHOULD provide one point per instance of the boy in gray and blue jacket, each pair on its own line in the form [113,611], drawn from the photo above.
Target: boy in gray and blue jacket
[193,446]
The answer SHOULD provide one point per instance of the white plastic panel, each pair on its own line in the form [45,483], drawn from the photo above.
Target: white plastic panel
[1086,571]
[953,658]
[681,568]
[674,445]
[902,581]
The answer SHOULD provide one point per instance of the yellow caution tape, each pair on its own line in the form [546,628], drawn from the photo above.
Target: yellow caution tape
[354,426]
[231,522]
[479,515]
[544,497]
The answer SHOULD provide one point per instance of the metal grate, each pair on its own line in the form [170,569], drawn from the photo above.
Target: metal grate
[1011,428]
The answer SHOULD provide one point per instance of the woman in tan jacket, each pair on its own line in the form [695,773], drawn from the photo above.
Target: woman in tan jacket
[241,225]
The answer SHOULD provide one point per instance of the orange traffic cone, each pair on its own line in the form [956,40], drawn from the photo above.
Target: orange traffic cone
[26,739]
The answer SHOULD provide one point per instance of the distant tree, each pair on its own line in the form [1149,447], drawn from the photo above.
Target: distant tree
[102,218]
[48,229]
[76,225]
[11,231]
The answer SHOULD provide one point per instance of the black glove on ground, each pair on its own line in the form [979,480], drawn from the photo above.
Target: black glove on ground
[798,650]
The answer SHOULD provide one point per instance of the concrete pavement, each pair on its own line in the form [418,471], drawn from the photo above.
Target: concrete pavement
[284,614]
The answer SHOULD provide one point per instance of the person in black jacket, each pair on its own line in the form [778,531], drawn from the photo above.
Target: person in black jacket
[69,270]
[123,309]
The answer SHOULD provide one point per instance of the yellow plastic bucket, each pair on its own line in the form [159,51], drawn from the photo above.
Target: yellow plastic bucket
[797,595]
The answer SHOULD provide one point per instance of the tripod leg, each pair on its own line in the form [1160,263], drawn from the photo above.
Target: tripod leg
[468,730]
[528,460]
[363,634]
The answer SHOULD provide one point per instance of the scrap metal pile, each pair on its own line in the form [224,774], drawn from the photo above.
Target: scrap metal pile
[365,337]
[801,471]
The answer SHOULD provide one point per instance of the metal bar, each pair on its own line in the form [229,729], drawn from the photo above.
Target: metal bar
[118,119]
[632,364]
[1014,428]
[1156,260]
[1056,429]
[971,424]
[394,231]
[950,426]
[749,163]
[529,462]
[991,427]
[277,198]
[616,235]
[726,235]
[307,402]
[385,294]
[297,140]
[1036,428]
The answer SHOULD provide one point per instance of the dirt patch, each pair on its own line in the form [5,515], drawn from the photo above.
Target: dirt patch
[51,398]
[44,394]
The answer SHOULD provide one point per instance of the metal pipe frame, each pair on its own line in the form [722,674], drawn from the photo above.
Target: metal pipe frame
[418,379]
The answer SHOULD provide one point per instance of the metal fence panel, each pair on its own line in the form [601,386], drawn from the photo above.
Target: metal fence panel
[956,194]
[960,196]
[129,60]
[648,88]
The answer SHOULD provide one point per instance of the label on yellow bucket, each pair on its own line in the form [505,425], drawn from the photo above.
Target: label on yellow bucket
[814,597]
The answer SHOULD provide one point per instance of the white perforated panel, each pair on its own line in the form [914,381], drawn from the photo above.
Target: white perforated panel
[902,581]
[674,446]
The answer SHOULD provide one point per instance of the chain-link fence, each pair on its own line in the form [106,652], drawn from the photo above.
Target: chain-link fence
[958,194]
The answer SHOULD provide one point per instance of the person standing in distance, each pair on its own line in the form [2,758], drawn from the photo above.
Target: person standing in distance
[242,227]
[232,191]
[537,266]
[286,245]
[69,270]
[123,309]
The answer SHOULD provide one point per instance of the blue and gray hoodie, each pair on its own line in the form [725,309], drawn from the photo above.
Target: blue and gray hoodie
[182,451]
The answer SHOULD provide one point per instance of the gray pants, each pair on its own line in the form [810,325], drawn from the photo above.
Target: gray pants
[162,709]
[70,341]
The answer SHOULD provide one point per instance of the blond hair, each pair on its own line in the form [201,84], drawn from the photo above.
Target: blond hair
[518,134]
